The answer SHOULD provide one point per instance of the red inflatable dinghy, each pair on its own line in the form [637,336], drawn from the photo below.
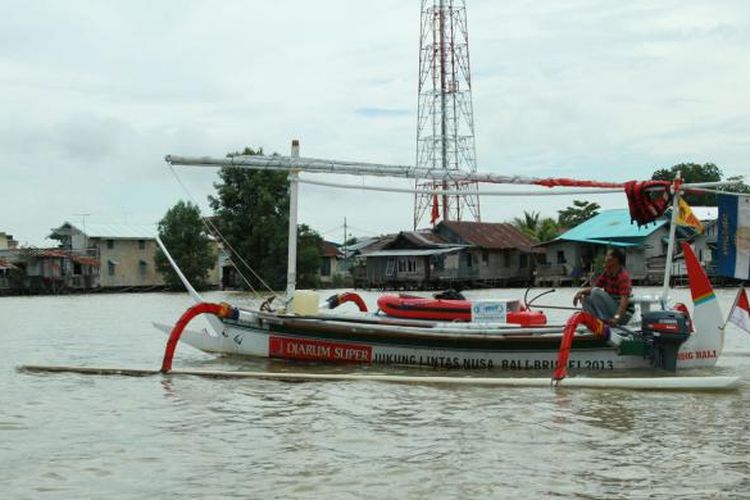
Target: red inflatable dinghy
[413,307]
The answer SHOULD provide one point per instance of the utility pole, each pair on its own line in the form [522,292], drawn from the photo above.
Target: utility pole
[445,117]
[345,240]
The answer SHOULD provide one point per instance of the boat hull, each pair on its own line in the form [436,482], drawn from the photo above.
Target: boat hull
[347,342]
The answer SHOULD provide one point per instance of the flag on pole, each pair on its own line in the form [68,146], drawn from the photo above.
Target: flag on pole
[686,217]
[734,236]
[740,314]
[435,209]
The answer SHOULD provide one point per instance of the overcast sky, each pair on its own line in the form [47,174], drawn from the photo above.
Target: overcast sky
[94,94]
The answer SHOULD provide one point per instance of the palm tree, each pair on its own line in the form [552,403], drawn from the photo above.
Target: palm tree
[529,224]
[534,227]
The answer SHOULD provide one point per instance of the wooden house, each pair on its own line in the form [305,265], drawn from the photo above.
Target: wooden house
[333,268]
[53,270]
[569,258]
[124,252]
[6,268]
[452,255]
[496,253]
[7,242]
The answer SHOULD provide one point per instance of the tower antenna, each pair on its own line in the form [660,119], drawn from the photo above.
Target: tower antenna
[445,117]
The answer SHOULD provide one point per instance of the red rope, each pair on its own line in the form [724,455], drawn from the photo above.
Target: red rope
[564,182]
[222,310]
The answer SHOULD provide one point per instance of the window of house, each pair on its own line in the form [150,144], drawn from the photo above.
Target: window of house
[407,265]
[110,244]
[77,269]
[506,259]
[485,256]
[325,267]
[561,257]
[524,261]
[143,267]
[141,244]
[111,268]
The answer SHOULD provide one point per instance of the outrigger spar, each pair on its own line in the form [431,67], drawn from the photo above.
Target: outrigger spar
[294,164]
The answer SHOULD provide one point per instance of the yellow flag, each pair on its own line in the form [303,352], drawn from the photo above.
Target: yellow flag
[686,217]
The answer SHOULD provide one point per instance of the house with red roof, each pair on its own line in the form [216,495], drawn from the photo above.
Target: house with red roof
[454,254]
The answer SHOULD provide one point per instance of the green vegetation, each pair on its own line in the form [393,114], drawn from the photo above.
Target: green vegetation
[252,213]
[545,229]
[309,243]
[581,211]
[183,233]
[694,172]
[537,228]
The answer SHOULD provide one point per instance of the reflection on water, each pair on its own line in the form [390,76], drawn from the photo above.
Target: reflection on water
[68,435]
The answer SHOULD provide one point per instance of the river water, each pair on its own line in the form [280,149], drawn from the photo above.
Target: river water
[84,436]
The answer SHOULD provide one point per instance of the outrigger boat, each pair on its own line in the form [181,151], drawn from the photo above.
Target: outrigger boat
[670,338]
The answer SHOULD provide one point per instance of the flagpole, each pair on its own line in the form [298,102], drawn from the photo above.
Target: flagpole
[677,186]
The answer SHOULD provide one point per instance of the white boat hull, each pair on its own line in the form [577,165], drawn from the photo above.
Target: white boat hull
[357,343]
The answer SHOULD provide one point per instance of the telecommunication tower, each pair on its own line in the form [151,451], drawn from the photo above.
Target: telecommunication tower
[445,118]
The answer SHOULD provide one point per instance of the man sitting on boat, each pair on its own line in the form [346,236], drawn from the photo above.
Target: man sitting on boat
[609,298]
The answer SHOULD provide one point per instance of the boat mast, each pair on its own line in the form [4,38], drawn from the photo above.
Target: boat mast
[676,186]
[291,265]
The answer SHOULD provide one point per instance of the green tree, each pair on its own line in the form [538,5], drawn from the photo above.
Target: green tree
[581,211]
[548,230]
[309,243]
[252,209]
[182,231]
[528,225]
[693,172]
[737,185]
[537,228]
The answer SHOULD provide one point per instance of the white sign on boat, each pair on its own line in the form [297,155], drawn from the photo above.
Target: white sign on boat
[489,311]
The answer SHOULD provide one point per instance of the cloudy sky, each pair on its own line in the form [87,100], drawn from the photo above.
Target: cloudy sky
[94,94]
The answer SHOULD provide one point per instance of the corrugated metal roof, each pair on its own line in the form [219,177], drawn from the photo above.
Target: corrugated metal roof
[609,225]
[377,244]
[490,235]
[360,244]
[58,253]
[412,252]
[116,231]
[330,249]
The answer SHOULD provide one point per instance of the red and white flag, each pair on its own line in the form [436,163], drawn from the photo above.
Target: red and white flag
[740,314]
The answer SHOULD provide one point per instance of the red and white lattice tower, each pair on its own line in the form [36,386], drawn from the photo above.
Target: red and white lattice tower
[445,119]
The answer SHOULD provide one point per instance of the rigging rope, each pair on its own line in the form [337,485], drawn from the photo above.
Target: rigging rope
[457,193]
[214,231]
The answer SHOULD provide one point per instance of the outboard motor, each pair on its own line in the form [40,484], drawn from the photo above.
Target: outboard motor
[664,332]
